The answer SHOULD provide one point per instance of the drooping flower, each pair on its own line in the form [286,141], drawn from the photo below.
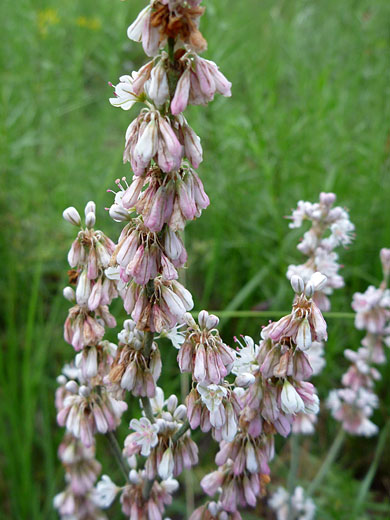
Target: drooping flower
[203,353]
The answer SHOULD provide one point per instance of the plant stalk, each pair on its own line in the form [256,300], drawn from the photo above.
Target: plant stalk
[329,459]
[292,474]
[366,484]
[116,451]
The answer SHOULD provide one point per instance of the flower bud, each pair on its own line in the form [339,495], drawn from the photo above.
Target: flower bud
[165,468]
[157,87]
[69,294]
[304,335]
[189,320]
[297,284]
[245,379]
[118,213]
[72,387]
[318,280]
[309,289]
[84,391]
[213,508]
[212,321]
[291,402]
[385,259]
[90,207]
[72,216]
[134,477]
[90,219]
[61,379]
[202,318]
[180,412]
[172,403]
[327,198]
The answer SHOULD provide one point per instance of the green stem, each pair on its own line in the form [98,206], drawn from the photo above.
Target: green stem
[292,474]
[171,50]
[226,314]
[116,451]
[366,484]
[146,405]
[147,489]
[147,408]
[181,431]
[148,344]
[329,459]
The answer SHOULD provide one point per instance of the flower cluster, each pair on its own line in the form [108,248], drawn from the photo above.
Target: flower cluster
[88,257]
[77,454]
[87,407]
[270,389]
[132,370]
[330,228]
[295,506]
[135,505]
[81,470]
[162,149]
[354,404]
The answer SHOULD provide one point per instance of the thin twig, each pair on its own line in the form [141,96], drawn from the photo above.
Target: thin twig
[116,451]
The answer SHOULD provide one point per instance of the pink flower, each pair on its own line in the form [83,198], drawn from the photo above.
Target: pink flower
[151,136]
[203,352]
[87,412]
[143,439]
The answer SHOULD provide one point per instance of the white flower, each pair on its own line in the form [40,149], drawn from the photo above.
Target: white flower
[246,359]
[124,95]
[291,401]
[145,434]
[105,492]
[211,395]
[170,485]
[303,508]
[342,232]
[174,335]
[302,212]
[113,273]
[157,401]
[165,468]
[134,32]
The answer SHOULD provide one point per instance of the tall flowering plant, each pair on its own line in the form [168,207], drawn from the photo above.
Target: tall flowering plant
[354,404]
[243,397]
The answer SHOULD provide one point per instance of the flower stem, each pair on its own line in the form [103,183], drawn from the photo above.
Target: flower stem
[292,474]
[181,431]
[171,49]
[147,488]
[148,344]
[146,351]
[147,408]
[116,451]
[329,459]
[366,484]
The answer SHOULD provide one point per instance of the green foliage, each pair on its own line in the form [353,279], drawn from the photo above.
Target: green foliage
[309,112]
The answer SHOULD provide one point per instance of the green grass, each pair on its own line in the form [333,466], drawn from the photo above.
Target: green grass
[309,112]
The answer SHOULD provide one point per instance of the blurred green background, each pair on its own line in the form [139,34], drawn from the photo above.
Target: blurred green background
[309,113]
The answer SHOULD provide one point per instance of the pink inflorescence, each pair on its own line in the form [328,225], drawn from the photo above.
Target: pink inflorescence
[354,404]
